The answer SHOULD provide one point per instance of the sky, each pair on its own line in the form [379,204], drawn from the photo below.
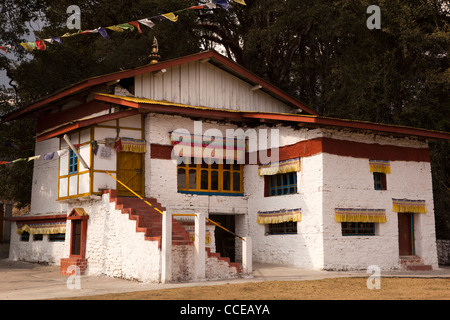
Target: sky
[37,25]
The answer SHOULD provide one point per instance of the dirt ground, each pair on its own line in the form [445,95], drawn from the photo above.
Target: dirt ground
[327,289]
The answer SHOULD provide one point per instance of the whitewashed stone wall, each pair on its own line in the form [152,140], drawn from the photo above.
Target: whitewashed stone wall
[43,251]
[45,181]
[161,175]
[113,247]
[348,183]
[305,249]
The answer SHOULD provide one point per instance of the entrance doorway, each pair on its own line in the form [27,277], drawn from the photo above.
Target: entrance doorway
[76,238]
[130,172]
[406,233]
[225,241]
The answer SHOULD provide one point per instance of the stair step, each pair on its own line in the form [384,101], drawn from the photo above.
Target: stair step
[149,221]
[419,267]
[414,263]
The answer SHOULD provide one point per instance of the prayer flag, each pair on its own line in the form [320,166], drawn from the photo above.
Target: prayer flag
[62,152]
[126,26]
[240,2]
[34,158]
[103,32]
[170,16]
[136,24]
[27,46]
[48,156]
[147,22]
[115,28]
[223,3]
[196,7]
[40,45]
[3,48]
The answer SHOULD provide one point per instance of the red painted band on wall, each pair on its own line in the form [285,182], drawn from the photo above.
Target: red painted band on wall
[311,147]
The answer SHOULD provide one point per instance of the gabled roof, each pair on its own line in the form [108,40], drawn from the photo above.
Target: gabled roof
[211,56]
[143,105]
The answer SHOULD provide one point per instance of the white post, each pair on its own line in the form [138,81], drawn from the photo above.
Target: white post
[166,248]
[247,256]
[199,244]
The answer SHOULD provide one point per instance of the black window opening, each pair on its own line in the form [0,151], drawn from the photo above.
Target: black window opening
[358,228]
[379,181]
[289,227]
[57,237]
[25,236]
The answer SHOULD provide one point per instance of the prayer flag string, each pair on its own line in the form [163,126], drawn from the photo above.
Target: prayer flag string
[30,46]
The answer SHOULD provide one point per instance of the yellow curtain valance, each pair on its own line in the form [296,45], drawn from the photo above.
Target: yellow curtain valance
[133,145]
[360,215]
[279,216]
[208,147]
[381,166]
[191,231]
[42,228]
[406,205]
[291,165]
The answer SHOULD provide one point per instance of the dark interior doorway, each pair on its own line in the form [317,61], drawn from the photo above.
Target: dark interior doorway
[225,241]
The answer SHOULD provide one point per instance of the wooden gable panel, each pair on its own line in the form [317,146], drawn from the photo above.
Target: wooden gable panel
[202,84]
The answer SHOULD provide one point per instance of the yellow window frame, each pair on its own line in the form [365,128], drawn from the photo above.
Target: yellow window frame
[221,169]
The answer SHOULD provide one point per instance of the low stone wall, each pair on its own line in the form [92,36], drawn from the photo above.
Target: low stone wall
[443,249]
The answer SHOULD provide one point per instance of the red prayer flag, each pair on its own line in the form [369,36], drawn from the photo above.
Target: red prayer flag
[136,24]
[3,48]
[40,45]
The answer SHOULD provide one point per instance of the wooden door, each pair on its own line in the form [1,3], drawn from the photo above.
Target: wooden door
[405,234]
[130,172]
[76,238]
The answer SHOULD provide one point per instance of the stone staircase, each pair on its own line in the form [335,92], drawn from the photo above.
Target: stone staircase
[149,221]
[226,259]
[413,263]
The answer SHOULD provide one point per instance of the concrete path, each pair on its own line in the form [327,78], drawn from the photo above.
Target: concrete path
[29,281]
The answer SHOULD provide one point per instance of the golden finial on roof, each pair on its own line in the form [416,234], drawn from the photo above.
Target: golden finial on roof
[154,56]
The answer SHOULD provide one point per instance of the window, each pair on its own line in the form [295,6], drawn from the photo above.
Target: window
[25,236]
[282,228]
[358,228]
[37,237]
[280,184]
[212,178]
[379,181]
[57,237]
[73,162]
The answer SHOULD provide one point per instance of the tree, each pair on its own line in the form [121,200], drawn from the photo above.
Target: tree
[320,51]
[16,142]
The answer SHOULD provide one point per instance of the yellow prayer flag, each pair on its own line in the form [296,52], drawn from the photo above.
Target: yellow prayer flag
[27,46]
[115,28]
[171,16]
[240,2]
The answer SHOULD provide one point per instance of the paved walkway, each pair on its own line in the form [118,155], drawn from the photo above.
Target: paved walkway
[28,281]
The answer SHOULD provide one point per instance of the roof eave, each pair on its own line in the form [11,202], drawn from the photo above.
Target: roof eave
[98,80]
